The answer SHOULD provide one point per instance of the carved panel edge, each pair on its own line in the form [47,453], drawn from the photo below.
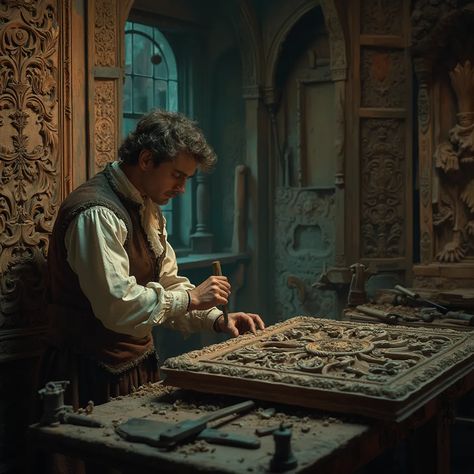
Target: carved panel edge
[195,361]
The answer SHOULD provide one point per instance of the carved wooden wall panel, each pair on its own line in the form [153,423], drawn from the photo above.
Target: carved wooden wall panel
[383,78]
[443,59]
[105,63]
[380,197]
[382,179]
[30,159]
[304,242]
[105,115]
[368,369]
[382,17]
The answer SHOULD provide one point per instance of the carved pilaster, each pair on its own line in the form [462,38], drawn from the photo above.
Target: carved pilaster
[423,67]
[105,113]
[105,62]
[382,189]
[106,33]
[202,238]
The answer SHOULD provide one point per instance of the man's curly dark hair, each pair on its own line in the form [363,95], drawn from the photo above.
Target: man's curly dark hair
[166,134]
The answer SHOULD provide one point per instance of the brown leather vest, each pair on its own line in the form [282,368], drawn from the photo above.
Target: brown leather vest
[72,321]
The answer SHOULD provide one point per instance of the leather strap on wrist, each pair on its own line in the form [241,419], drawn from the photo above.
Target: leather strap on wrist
[189,301]
[215,326]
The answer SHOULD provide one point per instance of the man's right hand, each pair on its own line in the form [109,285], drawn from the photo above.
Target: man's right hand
[212,292]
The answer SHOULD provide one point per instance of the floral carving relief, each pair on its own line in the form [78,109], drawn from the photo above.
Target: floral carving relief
[371,369]
[381,17]
[383,78]
[454,160]
[29,188]
[382,192]
[105,33]
[105,129]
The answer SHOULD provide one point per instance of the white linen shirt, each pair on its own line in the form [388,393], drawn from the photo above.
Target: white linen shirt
[95,251]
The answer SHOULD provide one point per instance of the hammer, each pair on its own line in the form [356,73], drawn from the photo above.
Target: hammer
[216,265]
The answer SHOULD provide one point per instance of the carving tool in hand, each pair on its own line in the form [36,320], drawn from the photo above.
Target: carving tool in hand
[216,265]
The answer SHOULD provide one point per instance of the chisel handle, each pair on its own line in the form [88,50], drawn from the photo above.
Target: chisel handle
[216,266]
[407,292]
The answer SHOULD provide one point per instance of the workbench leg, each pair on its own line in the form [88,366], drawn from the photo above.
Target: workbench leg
[430,445]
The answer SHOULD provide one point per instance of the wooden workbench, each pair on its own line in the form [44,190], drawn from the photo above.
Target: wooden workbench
[321,442]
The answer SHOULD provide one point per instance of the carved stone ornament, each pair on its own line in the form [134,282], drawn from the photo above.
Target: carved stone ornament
[303,244]
[374,370]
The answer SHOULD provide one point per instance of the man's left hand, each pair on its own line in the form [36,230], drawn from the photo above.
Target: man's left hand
[240,323]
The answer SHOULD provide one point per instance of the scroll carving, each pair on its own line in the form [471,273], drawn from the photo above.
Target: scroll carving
[105,33]
[105,113]
[29,190]
[382,192]
[454,158]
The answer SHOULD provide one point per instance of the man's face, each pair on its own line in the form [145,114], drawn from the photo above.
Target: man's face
[168,179]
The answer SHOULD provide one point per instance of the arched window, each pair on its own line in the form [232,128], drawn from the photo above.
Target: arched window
[151,80]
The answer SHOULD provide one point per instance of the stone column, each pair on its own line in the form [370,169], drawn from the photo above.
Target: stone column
[202,239]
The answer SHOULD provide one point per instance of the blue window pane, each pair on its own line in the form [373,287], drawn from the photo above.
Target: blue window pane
[128,53]
[168,54]
[160,70]
[142,53]
[127,95]
[173,96]
[147,30]
[161,92]
[129,125]
[142,94]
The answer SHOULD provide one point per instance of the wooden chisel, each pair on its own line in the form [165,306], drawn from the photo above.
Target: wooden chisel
[385,316]
[216,265]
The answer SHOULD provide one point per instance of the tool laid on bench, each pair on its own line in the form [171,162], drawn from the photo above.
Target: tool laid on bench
[385,316]
[438,311]
[166,435]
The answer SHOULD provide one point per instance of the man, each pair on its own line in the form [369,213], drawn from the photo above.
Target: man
[112,273]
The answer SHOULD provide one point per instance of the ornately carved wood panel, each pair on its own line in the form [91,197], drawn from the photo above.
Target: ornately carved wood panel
[31,91]
[43,137]
[374,370]
[383,136]
[443,57]
[105,61]
[382,188]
